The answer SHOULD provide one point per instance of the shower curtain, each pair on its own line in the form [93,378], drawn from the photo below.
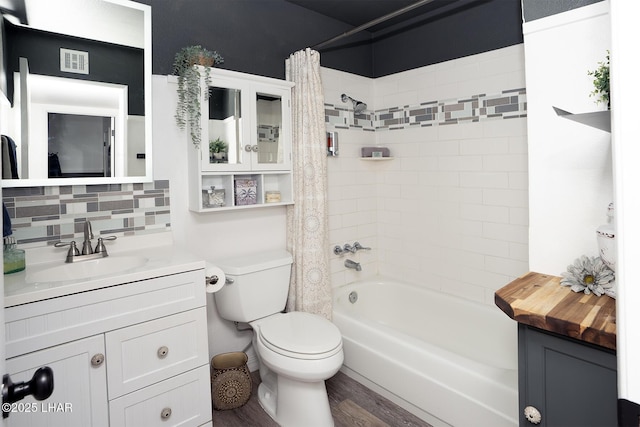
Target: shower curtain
[310,286]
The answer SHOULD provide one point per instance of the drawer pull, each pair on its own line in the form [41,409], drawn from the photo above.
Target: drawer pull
[163,351]
[532,415]
[166,413]
[97,359]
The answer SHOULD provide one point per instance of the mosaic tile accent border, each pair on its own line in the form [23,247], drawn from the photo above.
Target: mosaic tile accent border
[41,216]
[508,104]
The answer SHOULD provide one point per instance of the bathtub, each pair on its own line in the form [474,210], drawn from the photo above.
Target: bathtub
[448,360]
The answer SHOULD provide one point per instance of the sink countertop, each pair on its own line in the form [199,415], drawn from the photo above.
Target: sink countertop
[538,300]
[163,259]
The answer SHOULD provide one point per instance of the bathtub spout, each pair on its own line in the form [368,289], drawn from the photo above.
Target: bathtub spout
[352,264]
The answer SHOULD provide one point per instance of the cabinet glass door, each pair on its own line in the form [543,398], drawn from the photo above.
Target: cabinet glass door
[269,122]
[225,133]
[269,151]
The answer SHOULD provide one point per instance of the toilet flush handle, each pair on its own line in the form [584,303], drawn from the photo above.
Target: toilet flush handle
[212,280]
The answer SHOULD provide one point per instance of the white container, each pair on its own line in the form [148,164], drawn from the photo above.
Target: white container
[606,235]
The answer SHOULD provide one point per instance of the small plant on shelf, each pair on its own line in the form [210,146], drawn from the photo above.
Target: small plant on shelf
[217,148]
[601,82]
[185,66]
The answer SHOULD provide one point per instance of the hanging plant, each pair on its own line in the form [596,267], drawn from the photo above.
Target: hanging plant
[601,82]
[185,66]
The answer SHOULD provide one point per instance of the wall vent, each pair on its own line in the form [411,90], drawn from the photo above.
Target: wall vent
[74,61]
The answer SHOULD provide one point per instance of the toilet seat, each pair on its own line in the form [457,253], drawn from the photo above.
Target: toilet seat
[300,335]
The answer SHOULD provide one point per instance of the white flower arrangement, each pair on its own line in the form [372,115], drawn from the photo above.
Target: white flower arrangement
[590,274]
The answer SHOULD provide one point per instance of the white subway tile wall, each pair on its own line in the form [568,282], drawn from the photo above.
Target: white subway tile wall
[450,211]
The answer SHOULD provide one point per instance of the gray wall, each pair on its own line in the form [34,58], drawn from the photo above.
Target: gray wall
[536,9]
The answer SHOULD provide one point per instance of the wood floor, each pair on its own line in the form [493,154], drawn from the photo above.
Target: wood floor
[352,405]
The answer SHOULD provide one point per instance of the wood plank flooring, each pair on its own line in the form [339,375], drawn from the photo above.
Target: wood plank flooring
[352,405]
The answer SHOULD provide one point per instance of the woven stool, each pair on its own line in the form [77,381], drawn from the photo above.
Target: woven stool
[230,380]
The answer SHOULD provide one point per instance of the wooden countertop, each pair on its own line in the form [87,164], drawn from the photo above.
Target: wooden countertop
[538,300]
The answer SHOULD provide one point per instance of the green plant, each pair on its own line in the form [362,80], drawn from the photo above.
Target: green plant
[217,146]
[185,66]
[601,82]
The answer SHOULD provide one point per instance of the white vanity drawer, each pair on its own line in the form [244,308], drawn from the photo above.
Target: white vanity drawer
[146,353]
[54,321]
[183,400]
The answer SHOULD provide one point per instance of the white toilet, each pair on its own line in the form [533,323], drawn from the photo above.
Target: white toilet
[296,351]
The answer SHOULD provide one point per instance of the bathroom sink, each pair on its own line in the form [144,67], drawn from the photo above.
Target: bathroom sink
[86,269]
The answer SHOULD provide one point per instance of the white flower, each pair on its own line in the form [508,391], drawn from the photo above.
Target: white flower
[589,274]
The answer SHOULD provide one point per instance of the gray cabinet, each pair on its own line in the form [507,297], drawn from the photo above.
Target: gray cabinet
[569,382]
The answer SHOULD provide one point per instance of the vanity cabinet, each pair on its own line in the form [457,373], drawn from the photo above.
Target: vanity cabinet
[251,117]
[79,396]
[569,382]
[126,355]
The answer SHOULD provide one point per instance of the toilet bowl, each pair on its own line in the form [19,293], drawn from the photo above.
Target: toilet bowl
[296,351]
[294,365]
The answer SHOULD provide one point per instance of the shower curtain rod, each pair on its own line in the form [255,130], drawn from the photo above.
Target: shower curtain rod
[372,23]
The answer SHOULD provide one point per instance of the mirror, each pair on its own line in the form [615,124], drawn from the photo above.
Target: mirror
[225,125]
[269,117]
[76,79]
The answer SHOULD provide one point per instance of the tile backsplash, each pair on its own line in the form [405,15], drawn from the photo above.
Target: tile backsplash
[41,216]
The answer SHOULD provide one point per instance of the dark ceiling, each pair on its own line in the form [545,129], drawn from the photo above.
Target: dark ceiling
[360,12]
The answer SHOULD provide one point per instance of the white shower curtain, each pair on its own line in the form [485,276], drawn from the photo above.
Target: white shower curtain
[310,287]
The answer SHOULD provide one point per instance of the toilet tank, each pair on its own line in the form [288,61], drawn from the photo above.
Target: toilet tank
[260,285]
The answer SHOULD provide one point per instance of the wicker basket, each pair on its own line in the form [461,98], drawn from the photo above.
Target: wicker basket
[230,380]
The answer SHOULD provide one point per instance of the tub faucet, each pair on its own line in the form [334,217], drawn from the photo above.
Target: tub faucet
[352,264]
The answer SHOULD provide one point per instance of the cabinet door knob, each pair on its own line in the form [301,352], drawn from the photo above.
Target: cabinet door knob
[254,148]
[163,351]
[97,359]
[247,148]
[166,413]
[532,415]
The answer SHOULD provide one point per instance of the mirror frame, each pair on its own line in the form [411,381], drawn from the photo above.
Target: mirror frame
[148,124]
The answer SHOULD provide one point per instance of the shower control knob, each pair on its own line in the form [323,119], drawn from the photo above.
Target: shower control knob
[532,415]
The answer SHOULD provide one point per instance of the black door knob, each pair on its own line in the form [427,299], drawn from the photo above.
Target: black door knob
[40,387]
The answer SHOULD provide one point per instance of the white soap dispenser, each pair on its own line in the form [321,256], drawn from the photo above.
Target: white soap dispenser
[606,235]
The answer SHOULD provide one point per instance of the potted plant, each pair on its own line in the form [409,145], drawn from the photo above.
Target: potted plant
[186,67]
[217,148]
[601,82]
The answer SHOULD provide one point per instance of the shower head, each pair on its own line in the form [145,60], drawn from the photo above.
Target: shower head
[358,106]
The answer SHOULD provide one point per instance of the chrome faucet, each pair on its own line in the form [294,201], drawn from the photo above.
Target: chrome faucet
[87,250]
[352,264]
[88,235]
[338,250]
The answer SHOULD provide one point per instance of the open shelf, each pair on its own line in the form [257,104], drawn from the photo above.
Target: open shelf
[597,119]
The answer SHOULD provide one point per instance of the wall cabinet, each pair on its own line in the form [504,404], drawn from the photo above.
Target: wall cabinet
[128,355]
[248,119]
[568,382]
